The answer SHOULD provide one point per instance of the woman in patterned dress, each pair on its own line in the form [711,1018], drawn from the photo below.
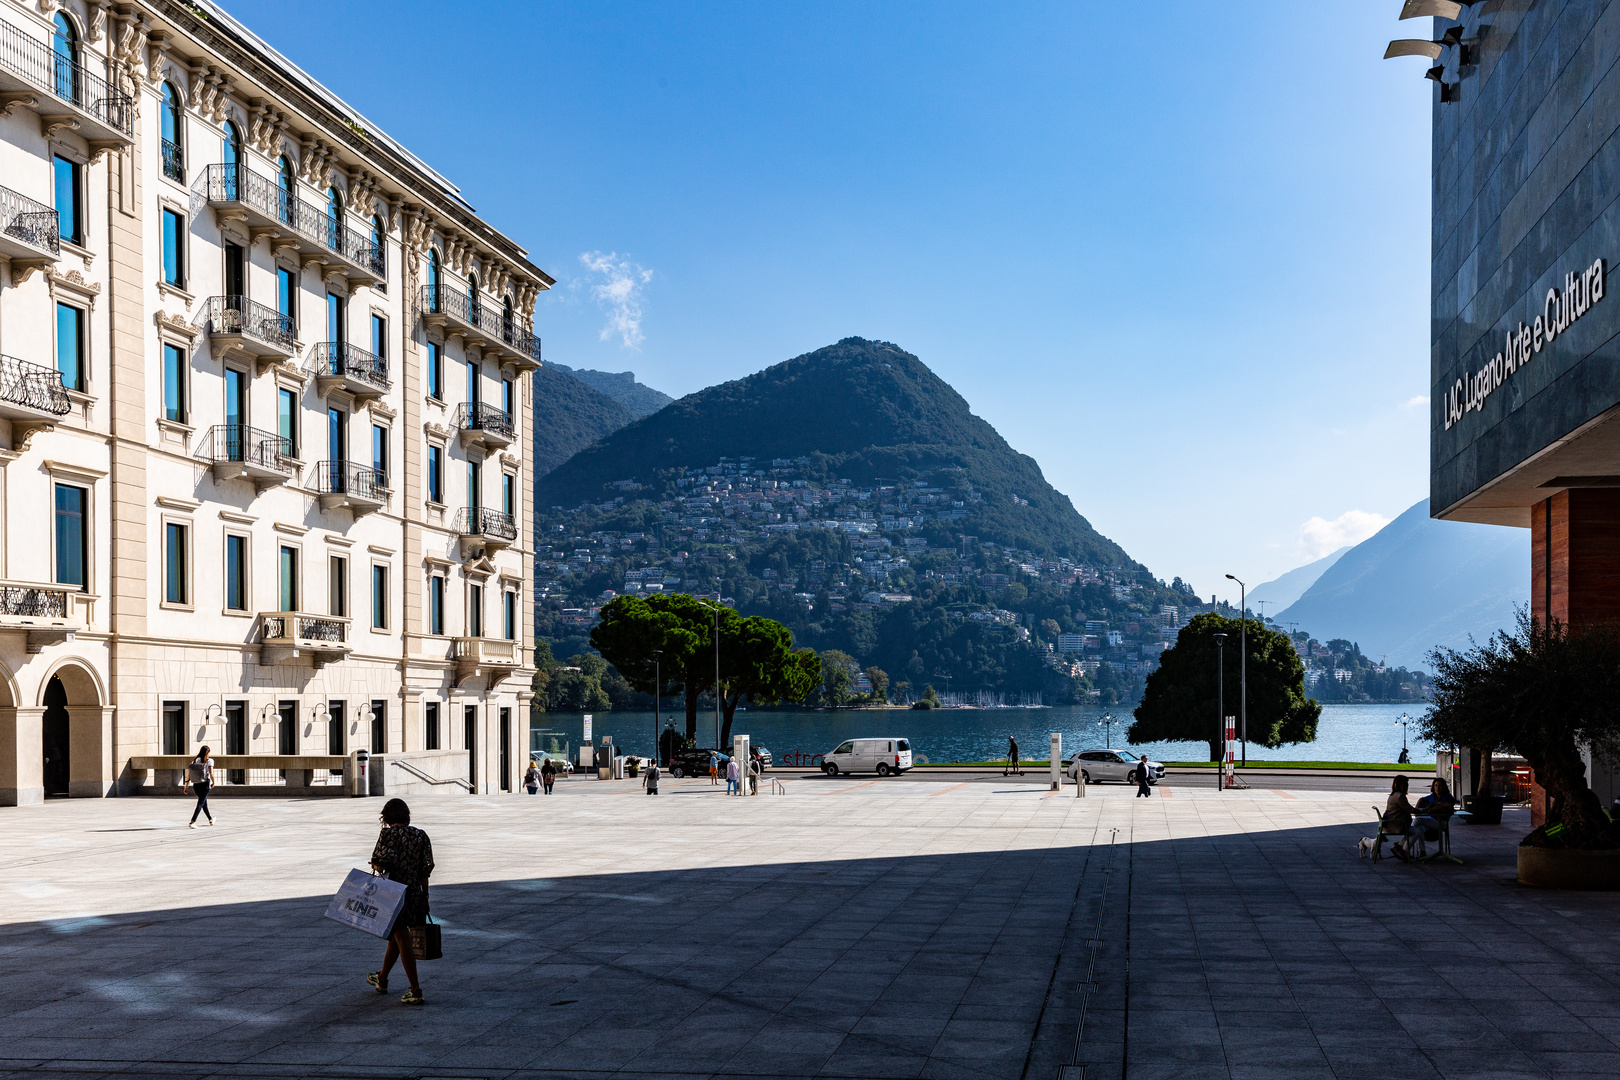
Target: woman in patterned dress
[406,855]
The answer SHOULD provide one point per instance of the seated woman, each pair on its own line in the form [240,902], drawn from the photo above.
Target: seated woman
[1432,809]
[1398,815]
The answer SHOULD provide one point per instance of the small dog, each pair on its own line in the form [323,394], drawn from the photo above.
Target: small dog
[1365,848]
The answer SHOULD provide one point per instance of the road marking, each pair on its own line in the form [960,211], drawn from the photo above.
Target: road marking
[1164,791]
[869,783]
[953,787]
[1282,794]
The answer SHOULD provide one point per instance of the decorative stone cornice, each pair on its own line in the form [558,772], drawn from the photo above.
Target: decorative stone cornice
[175,325]
[73,285]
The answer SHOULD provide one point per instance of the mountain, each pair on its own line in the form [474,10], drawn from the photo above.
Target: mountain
[1419,583]
[569,415]
[622,387]
[1281,591]
[860,410]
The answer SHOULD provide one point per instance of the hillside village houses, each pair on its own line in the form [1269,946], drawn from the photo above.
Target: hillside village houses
[263,371]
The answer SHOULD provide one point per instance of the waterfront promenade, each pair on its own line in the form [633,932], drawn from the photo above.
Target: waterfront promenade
[858,929]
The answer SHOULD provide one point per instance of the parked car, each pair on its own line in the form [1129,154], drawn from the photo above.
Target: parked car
[693,762]
[561,764]
[1121,765]
[765,759]
[882,756]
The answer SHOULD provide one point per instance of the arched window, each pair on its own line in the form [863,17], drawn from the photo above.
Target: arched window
[174,154]
[433,279]
[65,50]
[379,248]
[234,161]
[334,219]
[508,323]
[472,298]
[286,188]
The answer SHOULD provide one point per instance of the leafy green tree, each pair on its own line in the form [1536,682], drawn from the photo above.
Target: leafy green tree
[1178,702]
[880,683]
[578,686]
[757,661]
[1541,691]
[929,699]
[634,631]
[837,676]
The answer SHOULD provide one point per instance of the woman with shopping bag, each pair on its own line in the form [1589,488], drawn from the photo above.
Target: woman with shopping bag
[406,855]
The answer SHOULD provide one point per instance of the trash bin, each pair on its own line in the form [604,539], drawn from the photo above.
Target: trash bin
[357,777]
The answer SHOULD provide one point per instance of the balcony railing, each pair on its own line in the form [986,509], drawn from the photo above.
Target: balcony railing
[479,521]
[239,315]
[487,317]
[174,161]
[239,184]
[34,602]
[33,386]
[240,444]
[34,224]
[36,62]
[341,360]
[351,478]
[477,416]
[291,626]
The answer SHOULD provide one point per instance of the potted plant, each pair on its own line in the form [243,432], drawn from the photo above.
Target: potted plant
[1542,691]
[632,766]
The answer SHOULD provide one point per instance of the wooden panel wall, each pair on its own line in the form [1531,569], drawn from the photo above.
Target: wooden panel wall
[1575,556]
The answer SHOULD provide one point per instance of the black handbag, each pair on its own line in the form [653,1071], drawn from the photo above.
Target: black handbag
[426,941]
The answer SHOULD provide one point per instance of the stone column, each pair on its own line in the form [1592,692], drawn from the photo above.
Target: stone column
[22,757]
[91,773]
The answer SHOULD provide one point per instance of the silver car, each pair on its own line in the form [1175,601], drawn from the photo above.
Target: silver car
[1121,765]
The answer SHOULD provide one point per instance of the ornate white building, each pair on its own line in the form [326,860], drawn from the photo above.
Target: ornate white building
[263,373]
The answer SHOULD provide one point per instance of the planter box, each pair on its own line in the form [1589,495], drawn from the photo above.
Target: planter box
[1561,868]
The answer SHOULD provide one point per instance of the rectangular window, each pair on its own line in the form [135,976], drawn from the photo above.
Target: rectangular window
[236,397]
[338,582]
[435,372]
[509,615]
[436,604]
[435,474]
[287,580]
[379,335]
[506,396]
[430,726]
[475,484]
[379,451]
[236,732]
[379,727]
[174,249]
[72,536]
[508,494]
[287,293]
[236,572]
[336,325]
[287,727]
[287,420]
[70,358]
[337,439]
[472,382]
[174,563]
[379,597]
[475,611]
[174,383]
[69,200]
[174,727]
[235,270]
[334,728]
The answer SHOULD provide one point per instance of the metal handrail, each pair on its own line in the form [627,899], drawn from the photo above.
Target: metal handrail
[34,601]
[487,317]
[481,521]
[239,315]
[351,478]
[236,183]
[31,222]
[477,416]
[249,446]
[174,161]
[66,78]
[339,359]
[305,627]
[33,385]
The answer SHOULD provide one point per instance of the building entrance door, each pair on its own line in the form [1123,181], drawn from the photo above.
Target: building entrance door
[505,743]
[470,722]
[56,738]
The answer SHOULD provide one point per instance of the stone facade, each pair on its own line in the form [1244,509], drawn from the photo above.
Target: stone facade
[263,370]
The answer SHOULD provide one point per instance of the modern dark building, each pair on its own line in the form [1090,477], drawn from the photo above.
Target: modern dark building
[1525,357]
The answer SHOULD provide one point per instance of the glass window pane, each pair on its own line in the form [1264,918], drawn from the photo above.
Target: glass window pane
[379,597]
[174,384]
[236,573]
[70,346]
[174,563]
[288,580]
[287,420]
[71,550]
[174,236]
[435,372]
[67,200]
[507,500]
[379,335]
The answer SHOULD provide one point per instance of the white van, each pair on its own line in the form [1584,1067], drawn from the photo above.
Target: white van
[882,756]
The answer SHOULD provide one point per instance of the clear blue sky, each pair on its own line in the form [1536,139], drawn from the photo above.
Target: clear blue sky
[1178,253]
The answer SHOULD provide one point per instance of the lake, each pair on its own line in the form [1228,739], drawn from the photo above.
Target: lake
[1345,733]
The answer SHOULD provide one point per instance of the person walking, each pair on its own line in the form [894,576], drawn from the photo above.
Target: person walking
[1012,758]
[548,775]
[714,767]
[405,854]
[733,777]
[1143,788]
[649,778]
[200,775]
[755,767]
[531,779]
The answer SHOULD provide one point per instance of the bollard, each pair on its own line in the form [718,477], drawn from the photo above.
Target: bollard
[1056,756]
[1079,782]
[358,776]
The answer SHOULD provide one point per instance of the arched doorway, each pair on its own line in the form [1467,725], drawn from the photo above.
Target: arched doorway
[56,739]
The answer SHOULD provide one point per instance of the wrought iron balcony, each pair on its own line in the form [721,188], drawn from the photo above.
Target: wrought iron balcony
[31,391]
[485,424]
[339,365]
[30,234]
[269,208]
[237,324]
[288,635]
[351,485]
[239,452]
[43,612]
[491,528]
[174,161]
[484,321]
[103,115]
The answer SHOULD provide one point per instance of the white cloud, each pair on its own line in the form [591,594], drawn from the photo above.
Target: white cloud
[1319,536]
[1414,404]
[620,291]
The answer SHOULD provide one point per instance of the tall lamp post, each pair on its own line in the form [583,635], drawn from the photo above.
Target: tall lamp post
[716,611]
[1403,720]
[1243,649]
[1220,701]
[1107,724]
[658,701]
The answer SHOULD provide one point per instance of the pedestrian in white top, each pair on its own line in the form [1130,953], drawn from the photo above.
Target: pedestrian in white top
[733,776]
[200,775]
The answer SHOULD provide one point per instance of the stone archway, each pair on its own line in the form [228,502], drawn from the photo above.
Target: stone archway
[72,687]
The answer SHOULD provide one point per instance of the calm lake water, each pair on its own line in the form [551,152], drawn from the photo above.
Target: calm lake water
[1345,733]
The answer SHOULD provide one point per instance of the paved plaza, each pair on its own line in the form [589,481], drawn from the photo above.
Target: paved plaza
[857,929]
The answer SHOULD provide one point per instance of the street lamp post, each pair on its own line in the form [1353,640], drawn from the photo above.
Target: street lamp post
[1403,720]
[1220,701]
[1243,650]
[1107,724]
[658,704]
[716,611]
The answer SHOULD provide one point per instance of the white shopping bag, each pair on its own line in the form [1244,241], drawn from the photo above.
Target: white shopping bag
[367,902]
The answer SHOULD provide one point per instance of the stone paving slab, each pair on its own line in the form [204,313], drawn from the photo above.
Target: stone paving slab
[856,930]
